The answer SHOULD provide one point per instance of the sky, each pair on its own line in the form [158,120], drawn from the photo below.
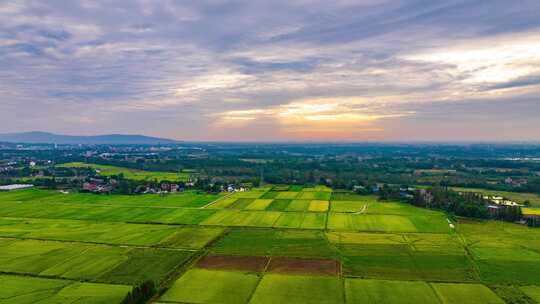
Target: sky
[341,70]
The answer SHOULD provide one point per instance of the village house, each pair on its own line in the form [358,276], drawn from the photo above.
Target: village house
[501,201]
[96,187]
[515,182]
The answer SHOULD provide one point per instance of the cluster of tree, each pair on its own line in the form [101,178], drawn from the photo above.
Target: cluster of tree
[44,182]
[130,186]
[389,192]
[462,204]
[509,213]
[140,294]
[17,172]
[466,204]
[533,222]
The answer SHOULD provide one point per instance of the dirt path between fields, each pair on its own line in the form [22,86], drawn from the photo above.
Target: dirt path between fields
[363,209]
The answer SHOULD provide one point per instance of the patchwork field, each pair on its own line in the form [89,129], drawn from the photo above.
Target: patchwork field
[108,233]
[84,248]
[504,252]
[281,244]
[88,262]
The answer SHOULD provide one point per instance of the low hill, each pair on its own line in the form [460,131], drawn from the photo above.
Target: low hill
[110,139]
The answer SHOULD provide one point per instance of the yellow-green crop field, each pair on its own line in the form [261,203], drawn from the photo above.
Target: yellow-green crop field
[531,211]
[269,245]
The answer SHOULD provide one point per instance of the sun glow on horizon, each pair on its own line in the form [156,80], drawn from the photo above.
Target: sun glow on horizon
[321,118]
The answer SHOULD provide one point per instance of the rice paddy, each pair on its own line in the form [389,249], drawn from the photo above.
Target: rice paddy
[28,290]
[211,286]
[270,245]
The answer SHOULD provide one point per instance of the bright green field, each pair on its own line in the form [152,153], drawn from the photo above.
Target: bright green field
[29,290]
[348,206]
[423,256]
[242,218]
[387,223]
[503,252]
[97,263]
[390,292]
[466,294]
[290,220]
[109,233]
[249,194]
[273,242]
[106,213]
[298,205]
[340,196]
[128,173]
[205,286]
[276,288]
[241,203]
[189,199]
[222,203]
[314,221]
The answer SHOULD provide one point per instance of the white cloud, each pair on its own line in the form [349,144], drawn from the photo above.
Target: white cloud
[488,60]
[216,80]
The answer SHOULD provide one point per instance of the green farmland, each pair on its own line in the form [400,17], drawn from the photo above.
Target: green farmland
[23,289]
[269,245]
[128,173]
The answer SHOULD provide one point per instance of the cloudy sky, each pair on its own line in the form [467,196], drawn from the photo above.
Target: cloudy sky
[341,70]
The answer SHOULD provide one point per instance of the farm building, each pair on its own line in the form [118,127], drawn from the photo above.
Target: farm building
[15,187]
[499,200]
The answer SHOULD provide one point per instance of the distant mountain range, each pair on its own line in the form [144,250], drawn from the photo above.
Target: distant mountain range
[109,139]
